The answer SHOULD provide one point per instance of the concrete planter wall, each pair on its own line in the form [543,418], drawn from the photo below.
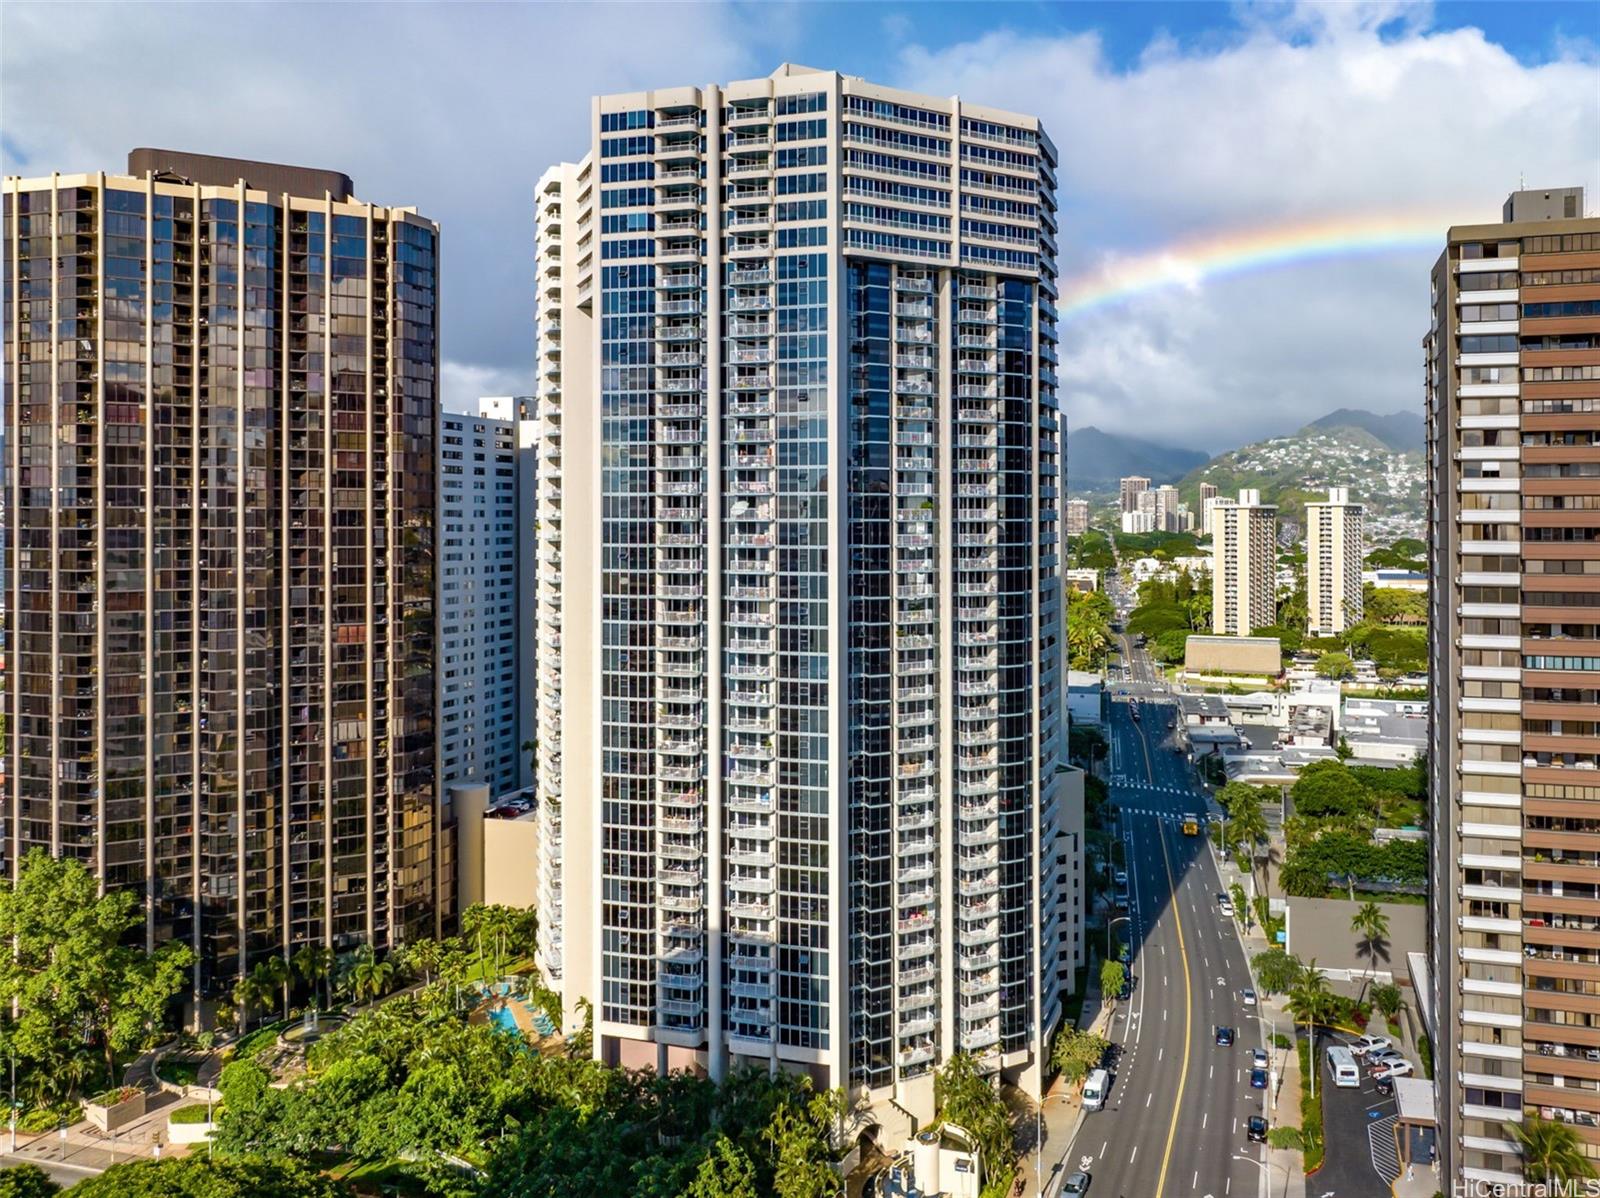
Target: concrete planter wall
[117,1115]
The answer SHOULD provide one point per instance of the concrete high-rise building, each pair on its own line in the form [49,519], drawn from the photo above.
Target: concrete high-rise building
[1129,489]
[1139,521]
[1244,565]
[479,632]
[809,492]
[1208,505]
[220,386]
[1513,390]
[1334,559]
[1166,509]
[1077,517]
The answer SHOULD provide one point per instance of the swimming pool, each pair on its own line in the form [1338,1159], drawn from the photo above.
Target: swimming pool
[504,1020]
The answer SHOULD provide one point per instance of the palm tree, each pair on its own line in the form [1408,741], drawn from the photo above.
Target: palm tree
[370,977]
[314,964]
[1309,1003]
[424,957]
[276,975]
[1247,829]
[1372,925]
[1551,1151]
[250,991]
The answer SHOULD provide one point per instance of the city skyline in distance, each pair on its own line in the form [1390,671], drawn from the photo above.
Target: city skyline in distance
[1221,286]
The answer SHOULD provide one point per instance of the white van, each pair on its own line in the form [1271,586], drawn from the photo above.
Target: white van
[1095,1089]
[1342,1064]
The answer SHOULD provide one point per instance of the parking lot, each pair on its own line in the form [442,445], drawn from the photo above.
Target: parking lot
[1358,1124]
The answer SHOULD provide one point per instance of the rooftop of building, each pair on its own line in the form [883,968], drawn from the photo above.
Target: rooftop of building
[217,171]
[516,804]
[1210,707]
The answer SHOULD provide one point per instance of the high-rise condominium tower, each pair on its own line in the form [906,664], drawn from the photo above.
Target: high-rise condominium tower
[1244,565]
[810,596]
[1513,410]
[1077,517]
[220,389]
[1129,489]
[1333,563]
[479,631]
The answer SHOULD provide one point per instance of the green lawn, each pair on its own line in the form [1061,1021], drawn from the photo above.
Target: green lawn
[179,1071]
[195,1112]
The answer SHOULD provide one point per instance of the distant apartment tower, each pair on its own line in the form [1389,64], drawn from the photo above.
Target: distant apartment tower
[1077,517]
[1129,490]
[478,630]
[1334,558]
[1513,397]
[1208,493]
[1166,508]
[809,493]
[1244,565]
[220,388]
[1138,521]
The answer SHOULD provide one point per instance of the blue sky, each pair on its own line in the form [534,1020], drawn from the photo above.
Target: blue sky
[1175,122]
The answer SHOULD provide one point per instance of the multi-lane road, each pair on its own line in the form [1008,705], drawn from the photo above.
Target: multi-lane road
[1175,1120]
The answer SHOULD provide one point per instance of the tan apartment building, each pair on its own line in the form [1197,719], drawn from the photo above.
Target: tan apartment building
[801,705]
[220,394]
[1128,491]
[1334,559]
[1512,376]
[1244,565]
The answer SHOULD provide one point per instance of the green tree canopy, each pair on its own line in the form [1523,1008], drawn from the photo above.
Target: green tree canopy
[1075,1052]
[198,1177]
[1329,788]
[26,1181]
[71,978]
[965,1097]
[1335,665]
[1276,970]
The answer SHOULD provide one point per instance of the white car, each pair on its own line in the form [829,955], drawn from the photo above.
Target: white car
[1226,906]
[1248,996]
[1258,1058]
[1366,1044]
[1394,1069]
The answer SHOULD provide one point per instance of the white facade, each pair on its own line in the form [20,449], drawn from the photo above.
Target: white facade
[1244,565]
[478,639]
[791,503]
[1333,563]
[1133,522]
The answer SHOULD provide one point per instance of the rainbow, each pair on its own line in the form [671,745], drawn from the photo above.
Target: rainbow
[1242,251]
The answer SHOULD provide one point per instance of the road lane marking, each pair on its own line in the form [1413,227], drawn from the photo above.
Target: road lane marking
[1204,1116]
[1133,1154]
[1188,1018]
[1147,1099]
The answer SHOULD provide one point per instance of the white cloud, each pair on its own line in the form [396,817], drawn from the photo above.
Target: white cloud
[1312,112]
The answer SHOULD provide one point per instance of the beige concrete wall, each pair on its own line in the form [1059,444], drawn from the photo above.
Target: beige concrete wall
[1233,655]
[510,848]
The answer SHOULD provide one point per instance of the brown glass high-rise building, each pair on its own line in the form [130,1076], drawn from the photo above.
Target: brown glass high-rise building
[1513,410]
[220,390]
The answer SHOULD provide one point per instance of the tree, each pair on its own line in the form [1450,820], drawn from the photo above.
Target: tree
[1372,925]
[68,979]
[276,975]
[1387,998]
[1088,629]
[1112,975]
[26,1181]
[1276,970]
[251,992]
[1551,1151]
[369,977]
[1310,998]
[725,1172]
[964,1097]
[799,1136]
[1330,788]
[1335,665]
[314,964]
[200,1177]
[1075,1052]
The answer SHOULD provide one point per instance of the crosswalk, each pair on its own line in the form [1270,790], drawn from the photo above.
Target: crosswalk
[1381,1143]
[1165,788]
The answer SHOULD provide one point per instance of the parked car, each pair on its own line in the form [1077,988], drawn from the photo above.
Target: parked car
[1225,906]
[1225,1036]
[1255,1128]
[1248,996]
[1221,898]
[1258,1079]
[1120,877]
[1384,1086]
[1258,1058]
[1125,953]
[1365,1044]
[1076,1183]
[1393,1069]
[1379,1056]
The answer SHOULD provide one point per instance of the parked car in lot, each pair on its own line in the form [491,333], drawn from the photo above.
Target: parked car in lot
[1379,1056]
[1258,1058]
[1393,1069]
[1225,1036]
[1384,1086]
[1258,1079]
[1255,1128]
[1365,1044]
[1248,996]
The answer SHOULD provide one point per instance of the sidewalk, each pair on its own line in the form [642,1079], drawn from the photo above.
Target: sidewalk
[86,1150]
[1062,1110]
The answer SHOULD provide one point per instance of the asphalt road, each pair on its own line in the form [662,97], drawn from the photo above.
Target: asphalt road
[1177,1110]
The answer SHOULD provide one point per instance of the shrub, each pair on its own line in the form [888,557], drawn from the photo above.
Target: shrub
[179,1071]
[1285,1137]
[1279,1040]
[195,1112]
[1310,1111]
